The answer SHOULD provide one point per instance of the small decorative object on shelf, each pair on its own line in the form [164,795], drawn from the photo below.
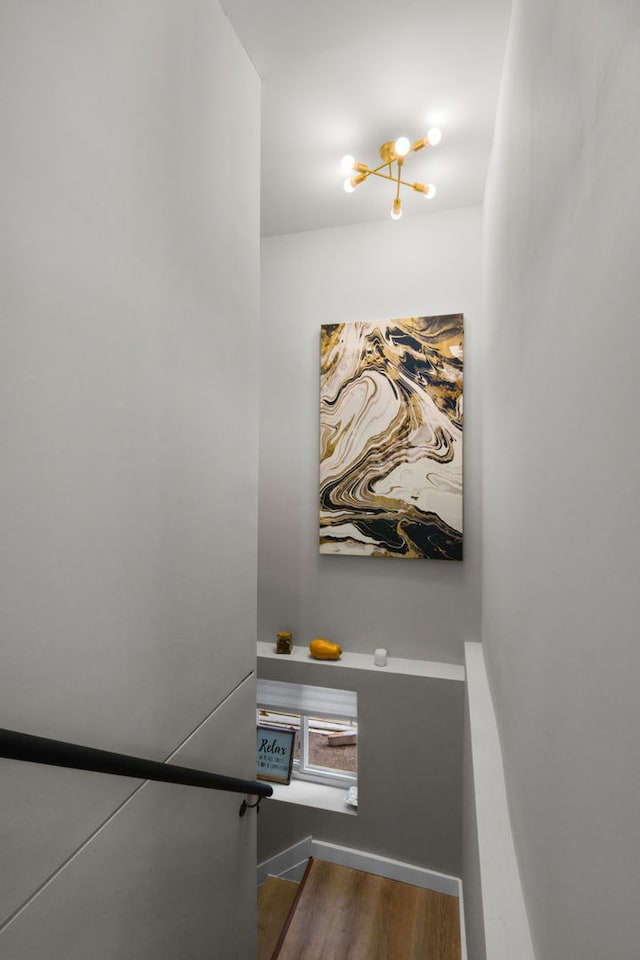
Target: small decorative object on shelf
[284,642]
[275,753]
[380,657]
[323,649]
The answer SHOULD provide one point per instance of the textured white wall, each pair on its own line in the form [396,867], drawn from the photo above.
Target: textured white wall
[422,265]
[129,290]
[562,468]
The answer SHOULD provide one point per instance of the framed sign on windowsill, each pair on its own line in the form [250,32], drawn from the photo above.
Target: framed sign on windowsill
[275,753]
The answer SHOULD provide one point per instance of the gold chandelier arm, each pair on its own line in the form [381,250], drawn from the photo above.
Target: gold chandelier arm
[375,170]
[385,176]
[400,163]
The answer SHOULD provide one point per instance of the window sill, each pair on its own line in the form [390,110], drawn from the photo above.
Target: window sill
[313,795]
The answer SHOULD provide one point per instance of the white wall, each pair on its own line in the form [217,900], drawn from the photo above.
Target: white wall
[129,300]
[562,468]
[497,925]
[419,266]
[471,873]
[409,769]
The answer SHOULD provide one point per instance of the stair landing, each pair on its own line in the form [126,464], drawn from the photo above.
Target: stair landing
[341,912]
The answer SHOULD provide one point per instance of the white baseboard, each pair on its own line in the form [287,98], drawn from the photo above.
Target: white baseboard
[291,864]
[384,867]
[287,862]
[296,873]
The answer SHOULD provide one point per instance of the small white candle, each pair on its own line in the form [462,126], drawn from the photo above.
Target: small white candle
[380,657]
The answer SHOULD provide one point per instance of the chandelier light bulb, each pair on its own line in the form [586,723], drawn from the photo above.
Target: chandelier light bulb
[427,190]
[396,210]
[434,136]
[348,163]
[352,182]
[402,146]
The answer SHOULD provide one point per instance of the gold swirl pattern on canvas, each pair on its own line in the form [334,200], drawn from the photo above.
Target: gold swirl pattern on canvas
[391,438]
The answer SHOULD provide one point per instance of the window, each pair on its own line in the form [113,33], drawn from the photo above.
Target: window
[326,725]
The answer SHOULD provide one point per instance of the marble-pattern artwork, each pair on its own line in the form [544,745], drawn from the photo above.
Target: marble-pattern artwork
[391,438]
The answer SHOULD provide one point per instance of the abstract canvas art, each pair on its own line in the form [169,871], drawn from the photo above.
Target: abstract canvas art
[391,438]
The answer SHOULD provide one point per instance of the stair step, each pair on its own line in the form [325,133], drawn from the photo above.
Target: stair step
[343,912]
[274,903]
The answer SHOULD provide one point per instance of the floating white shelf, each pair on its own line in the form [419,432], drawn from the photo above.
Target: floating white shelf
[364,661]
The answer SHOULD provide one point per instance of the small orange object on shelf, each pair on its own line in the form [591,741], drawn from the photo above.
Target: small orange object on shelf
[323,649]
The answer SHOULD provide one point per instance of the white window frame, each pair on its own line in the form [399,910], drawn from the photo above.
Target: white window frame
[309,702]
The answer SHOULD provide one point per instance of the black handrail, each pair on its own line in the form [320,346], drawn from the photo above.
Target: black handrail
[58,753]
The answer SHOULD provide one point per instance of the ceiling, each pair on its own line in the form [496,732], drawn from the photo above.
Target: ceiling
[344,77]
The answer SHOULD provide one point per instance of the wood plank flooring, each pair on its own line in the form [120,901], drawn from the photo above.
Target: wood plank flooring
[345,914]
[274,903]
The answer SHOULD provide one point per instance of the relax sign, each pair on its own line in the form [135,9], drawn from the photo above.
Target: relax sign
[275,753]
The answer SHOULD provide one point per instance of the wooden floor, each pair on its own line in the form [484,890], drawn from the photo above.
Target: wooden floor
[343,913]
[274,903]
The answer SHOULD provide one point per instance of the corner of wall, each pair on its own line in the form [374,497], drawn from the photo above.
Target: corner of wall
[496,916]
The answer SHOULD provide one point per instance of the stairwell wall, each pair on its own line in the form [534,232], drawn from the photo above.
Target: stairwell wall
[410,732]
[129,257]
[422,265]
[561,604]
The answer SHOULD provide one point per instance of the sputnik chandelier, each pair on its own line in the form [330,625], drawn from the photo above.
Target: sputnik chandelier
[392,152]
